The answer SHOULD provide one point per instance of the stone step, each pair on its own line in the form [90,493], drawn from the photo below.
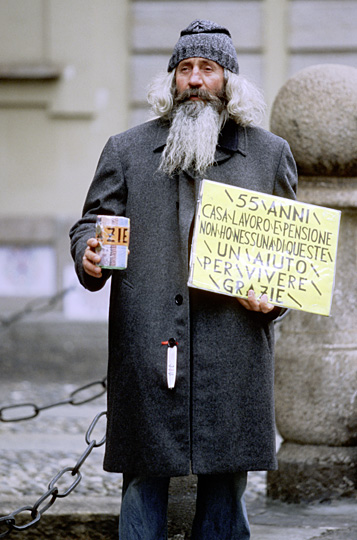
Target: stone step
[96,518]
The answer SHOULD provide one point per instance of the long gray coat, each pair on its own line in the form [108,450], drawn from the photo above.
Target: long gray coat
[220,415]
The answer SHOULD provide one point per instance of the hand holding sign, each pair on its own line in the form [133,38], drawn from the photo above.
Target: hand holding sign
[256,304]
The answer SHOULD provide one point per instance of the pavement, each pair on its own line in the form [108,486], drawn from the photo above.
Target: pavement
[34,451]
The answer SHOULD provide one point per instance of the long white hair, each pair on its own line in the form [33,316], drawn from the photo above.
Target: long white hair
[246,105]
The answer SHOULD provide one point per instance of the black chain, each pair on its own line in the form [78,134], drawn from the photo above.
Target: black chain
[81,395]
[38,305]
[53,493]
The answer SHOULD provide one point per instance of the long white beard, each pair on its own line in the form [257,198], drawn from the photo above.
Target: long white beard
[193,136]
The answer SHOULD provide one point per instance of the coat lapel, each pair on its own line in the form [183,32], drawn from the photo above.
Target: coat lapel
[187,186]
[232,139]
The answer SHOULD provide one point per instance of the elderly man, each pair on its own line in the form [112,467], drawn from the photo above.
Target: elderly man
[218,419]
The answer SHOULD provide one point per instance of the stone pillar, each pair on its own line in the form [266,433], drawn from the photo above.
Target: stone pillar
[316,356]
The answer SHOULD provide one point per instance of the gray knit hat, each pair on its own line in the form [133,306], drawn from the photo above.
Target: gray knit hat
[205,39]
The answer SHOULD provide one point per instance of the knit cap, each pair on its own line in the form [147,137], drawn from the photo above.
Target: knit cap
[205,39]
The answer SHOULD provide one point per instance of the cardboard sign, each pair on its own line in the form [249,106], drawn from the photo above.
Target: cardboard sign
[245,240]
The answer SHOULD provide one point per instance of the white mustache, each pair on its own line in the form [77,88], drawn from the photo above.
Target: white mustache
[218,99]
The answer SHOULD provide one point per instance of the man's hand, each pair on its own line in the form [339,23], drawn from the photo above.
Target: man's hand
[91,259]
[252,303]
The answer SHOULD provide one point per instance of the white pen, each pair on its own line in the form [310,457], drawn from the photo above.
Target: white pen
[171,366]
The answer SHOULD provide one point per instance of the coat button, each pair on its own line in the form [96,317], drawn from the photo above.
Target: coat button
[178,299]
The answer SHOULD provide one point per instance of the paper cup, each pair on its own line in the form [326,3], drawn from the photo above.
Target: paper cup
[113,235]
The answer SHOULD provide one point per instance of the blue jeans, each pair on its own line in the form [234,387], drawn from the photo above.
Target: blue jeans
[220,509]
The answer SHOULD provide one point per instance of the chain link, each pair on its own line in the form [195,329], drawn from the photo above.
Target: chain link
[81,395]
[38,305]
[53,493]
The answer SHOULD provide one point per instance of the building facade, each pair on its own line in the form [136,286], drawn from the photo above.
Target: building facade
[73,72]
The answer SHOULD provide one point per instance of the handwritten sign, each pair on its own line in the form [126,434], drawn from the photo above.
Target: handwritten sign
[245,240]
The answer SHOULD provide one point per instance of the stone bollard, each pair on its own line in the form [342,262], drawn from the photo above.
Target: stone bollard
[316,356]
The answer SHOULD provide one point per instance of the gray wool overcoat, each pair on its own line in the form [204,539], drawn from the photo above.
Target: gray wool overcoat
[219,418]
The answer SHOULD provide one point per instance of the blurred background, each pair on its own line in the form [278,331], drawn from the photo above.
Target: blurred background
[74,72]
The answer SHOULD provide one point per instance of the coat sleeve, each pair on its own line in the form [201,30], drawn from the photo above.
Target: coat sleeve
[106,196]
[286,174]
[286,180]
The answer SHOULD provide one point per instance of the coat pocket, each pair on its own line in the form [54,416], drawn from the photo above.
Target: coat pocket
[127,284]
